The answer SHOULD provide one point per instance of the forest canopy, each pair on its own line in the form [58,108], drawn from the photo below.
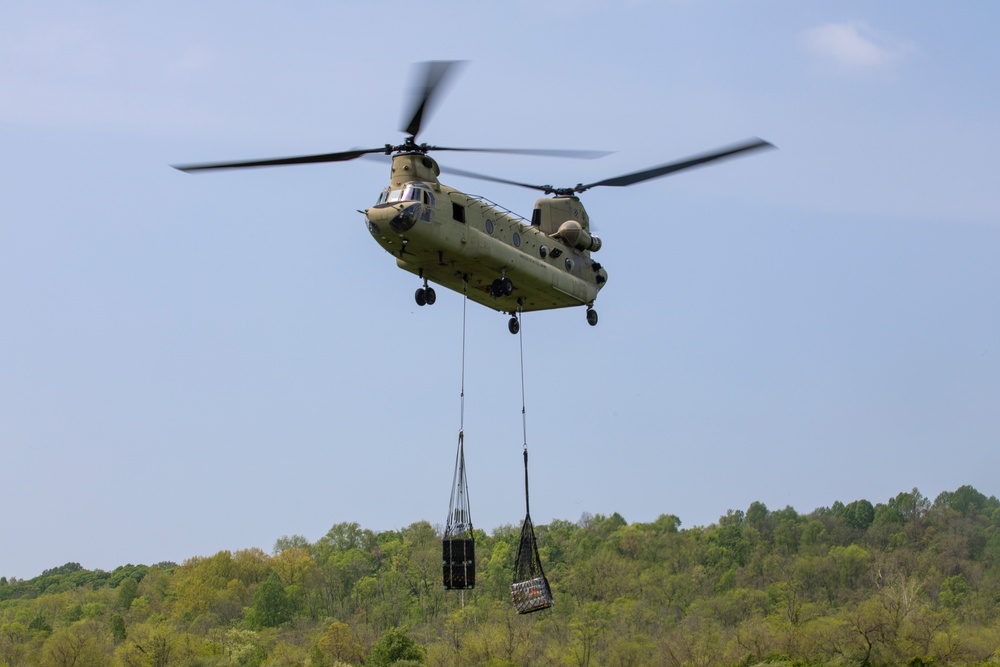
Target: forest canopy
[907,581]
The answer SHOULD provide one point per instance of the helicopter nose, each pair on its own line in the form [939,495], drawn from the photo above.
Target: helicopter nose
[399,217]
[406,218]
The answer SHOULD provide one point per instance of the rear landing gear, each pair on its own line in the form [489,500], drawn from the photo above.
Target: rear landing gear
[591,317]
[513,325]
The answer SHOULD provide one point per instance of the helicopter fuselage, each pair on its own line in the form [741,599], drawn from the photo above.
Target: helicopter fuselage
[467,243]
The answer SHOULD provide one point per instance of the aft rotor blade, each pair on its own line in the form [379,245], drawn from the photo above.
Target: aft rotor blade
[435,72]
[671,167]
[276,162]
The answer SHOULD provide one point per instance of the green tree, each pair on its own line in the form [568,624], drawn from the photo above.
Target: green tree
[967,501]
[394,645]
[756,515]
[340,644]
[954,592]
[913,505]
[214,591]
[128,590]
[244,647]
[40,624]
[118,630]
[15,644]
[850,563]
[290,542]
[860,514]
[271,605]
[153,645]
[76,645]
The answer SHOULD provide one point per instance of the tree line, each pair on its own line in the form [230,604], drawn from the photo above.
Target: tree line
[904,582]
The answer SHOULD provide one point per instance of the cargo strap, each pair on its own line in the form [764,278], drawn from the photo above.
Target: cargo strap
[459,510]
[524,419]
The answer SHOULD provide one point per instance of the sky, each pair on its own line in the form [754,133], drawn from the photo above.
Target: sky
[198,362]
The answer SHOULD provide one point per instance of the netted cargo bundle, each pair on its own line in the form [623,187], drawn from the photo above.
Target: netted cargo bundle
[530,590]
[458,547]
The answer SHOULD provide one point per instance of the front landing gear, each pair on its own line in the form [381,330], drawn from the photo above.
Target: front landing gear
[425,296]
[591,317]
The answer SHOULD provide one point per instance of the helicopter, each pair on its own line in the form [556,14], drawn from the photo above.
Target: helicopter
[472,245]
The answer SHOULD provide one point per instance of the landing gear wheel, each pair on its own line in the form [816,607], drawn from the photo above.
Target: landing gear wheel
[591,317]
[421,296]
[501,287]
[513,325]
[429,296]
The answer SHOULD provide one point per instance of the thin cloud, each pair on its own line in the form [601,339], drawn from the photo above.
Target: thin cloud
[854,45]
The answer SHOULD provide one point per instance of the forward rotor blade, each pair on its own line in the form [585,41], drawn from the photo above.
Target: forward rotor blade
[543,152]
[435,72]
[671,167]
[275,162]
[493,179]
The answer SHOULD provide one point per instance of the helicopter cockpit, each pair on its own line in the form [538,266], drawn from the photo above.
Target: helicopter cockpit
[417,192]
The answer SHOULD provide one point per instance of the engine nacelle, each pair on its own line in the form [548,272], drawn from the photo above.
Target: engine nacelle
[573,233]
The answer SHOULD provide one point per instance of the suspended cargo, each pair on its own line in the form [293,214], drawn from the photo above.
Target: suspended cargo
[459,556]
[458,546]
[530,590]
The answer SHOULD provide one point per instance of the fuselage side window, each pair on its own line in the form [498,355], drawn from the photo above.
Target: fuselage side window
[458,211]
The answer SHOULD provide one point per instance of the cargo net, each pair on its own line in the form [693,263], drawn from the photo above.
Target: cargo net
[458,545]
[530,590]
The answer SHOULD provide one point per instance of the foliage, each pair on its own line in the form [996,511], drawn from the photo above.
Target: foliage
[395,647]
[906,581]
[272,606]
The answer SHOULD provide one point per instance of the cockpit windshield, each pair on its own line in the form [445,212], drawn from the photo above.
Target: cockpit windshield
[406,193]
[409,192]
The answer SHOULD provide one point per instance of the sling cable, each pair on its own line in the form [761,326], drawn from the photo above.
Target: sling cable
[458,545]
[530,590]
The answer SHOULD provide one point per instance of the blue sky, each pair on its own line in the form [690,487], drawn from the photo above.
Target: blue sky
[190,363]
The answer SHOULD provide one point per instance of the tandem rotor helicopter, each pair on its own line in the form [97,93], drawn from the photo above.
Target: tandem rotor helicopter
[473,246]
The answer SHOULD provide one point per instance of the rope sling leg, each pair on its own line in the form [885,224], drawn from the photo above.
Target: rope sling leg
[458,552]
[530,590]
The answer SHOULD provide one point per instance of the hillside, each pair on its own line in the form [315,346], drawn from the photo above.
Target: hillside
[907,581]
